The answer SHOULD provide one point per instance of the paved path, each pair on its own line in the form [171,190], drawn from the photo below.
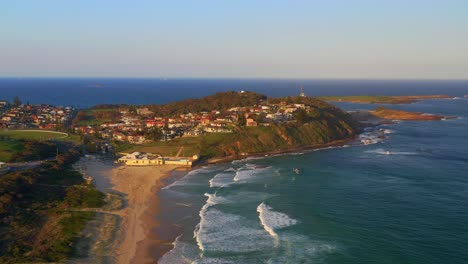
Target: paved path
[28,165]
[180,151]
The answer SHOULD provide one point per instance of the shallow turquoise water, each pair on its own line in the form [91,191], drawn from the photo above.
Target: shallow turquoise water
[403,199]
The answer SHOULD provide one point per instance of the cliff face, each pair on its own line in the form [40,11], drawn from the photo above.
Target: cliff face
[250,140]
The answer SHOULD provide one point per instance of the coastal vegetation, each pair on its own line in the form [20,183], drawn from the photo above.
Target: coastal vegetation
[387,113]
[96,116]
[321,124]
[377,99]
[8,148]
[40,216]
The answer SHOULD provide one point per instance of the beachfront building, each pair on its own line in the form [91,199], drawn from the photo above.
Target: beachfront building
[149,159]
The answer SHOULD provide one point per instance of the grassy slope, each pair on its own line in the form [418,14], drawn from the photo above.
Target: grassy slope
[38,135]
[11,140]
[279,137]
[38,217]
[255,139]
[192,145]
[325,123]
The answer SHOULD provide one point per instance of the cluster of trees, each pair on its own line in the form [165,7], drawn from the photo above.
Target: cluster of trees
[34,150]
[34,202]
[219,101]
[111,115]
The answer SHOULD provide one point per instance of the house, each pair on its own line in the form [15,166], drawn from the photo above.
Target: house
[251,123]
[211,129]
[144,111]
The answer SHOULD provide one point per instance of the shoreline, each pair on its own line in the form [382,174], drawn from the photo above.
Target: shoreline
[135,239]
[226,159]
[139,189]
[155,245]
[136,187]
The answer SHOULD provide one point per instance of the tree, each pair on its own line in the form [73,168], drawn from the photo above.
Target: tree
[301,116]
[132,109]
[241,120]
[153,133]
[16,101]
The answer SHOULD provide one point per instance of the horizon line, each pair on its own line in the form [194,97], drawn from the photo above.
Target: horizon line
[233,78]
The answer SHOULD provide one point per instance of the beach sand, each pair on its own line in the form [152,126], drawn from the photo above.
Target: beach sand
[138,187]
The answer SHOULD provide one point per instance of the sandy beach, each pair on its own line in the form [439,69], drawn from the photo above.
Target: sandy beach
[137,186]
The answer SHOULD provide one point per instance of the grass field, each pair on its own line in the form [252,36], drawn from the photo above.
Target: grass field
[191,145]
[38,135]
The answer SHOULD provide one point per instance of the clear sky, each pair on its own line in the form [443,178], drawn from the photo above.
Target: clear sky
[391,39]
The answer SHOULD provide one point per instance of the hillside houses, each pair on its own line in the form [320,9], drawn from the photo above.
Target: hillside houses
[134,122]
[40,116]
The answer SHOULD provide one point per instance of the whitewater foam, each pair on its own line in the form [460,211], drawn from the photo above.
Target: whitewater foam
[223,179]
[224,232]
[182,252]
[186,180]
[387,152]
[248,172]
[272,220]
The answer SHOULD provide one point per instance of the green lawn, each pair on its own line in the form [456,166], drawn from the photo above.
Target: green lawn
[192,145]
[38,135]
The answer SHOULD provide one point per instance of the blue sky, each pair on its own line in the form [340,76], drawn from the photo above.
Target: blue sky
[235,39]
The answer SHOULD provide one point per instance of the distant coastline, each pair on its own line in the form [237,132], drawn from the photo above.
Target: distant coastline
[75,91]
[400,99]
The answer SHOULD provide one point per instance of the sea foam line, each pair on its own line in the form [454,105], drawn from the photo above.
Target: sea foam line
[272,220]
[212,200]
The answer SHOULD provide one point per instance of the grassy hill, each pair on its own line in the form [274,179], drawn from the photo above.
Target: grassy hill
[324,124]
[39,210]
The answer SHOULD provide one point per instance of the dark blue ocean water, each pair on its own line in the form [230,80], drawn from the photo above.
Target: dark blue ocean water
[403,199]
[86,92]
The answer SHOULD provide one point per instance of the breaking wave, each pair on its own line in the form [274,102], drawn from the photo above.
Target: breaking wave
[387,152]
[272,220]
[224,232]
[222,179]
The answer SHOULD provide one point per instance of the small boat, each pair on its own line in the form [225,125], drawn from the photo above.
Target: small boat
[296,170]
[387,152]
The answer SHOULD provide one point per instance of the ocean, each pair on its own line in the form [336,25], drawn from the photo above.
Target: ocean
[86,92]
[402,199]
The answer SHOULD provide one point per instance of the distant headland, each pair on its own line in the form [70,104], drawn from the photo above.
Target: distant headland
[366,99]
